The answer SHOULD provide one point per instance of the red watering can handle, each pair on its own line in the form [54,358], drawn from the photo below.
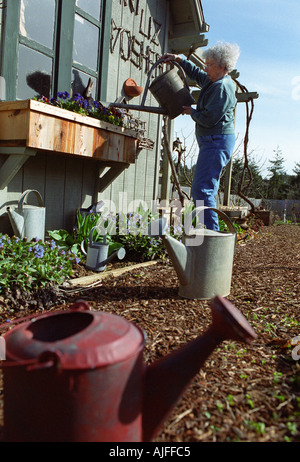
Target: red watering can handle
[48,358]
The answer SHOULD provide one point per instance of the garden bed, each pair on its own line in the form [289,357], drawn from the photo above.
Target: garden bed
[243,393]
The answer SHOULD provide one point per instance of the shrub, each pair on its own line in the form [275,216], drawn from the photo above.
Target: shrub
[33,264]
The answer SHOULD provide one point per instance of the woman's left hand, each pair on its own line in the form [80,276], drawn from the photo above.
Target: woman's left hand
[187,110]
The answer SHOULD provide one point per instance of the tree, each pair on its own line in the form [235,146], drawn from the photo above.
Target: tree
[277,182]
[257,186]
[294,192]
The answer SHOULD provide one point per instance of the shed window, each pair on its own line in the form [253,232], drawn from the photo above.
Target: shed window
[37,21]
[86,40]
[86,45]
[92,7]
[36,48]
[51,46]
[34,73]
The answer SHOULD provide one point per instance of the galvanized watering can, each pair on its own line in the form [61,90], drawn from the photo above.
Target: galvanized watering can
[28,220]
[170,89]
[97,253]
[79,375]
[203,261]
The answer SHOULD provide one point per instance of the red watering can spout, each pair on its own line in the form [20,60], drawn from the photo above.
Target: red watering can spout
[167,378]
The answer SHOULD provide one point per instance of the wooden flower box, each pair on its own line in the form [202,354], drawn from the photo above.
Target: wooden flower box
[39,126]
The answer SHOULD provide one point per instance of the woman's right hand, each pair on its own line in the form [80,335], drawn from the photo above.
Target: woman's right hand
[167,57]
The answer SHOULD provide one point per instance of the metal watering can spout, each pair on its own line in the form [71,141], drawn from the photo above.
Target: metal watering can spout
[177,251]
[17,222]
[170,90]
[167,378]
[119,253]
[180,255]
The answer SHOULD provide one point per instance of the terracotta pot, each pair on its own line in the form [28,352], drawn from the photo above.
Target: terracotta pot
[131,88]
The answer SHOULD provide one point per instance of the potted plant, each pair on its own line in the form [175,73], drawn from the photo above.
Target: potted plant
[92,235]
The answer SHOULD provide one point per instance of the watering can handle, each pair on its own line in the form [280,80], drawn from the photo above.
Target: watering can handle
[160,61]
[92,232]
[222,215]
[25,194]
[91,239]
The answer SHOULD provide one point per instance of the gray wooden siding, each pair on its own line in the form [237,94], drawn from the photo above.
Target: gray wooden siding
[68,183]
[139,181]
[64,183]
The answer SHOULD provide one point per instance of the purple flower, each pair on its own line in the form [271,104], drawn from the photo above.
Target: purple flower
[52,244]
[63,95]
[39,251]
[78,98]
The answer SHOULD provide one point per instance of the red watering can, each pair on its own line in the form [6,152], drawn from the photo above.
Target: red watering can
[79,375]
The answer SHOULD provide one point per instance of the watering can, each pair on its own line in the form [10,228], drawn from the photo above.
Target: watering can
[78,375]
[170,90]
[97,252]
[28,220]
[203,262]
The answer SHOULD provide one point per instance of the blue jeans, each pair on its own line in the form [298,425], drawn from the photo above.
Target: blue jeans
[215,153]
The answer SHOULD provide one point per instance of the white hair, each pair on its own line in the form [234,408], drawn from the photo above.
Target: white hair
[224,54]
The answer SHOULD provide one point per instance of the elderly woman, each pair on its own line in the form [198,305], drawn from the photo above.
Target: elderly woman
[214,118]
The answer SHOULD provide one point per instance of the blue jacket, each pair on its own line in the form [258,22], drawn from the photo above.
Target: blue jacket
[214,114]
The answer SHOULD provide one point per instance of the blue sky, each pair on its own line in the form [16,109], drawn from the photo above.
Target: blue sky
[268,33]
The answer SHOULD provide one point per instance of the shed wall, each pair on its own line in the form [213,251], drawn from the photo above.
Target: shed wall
[68,183]
[134,48]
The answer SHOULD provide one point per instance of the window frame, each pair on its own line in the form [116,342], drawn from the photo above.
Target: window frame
[62,52]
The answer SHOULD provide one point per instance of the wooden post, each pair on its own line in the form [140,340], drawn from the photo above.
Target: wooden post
[166,167]
[241,98]
[227,187]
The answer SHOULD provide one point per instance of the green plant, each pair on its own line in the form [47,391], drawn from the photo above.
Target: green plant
[85,107]
[249,400]
[223,227]
[82,232]
[33,264]
[292,427]
[277,376]
[134,233]
[258,427]
[219,406]
[230,400]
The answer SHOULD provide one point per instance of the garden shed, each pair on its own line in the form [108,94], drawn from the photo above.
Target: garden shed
[90,47]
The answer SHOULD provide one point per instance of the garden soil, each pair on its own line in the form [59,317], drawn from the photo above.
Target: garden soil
[248,393]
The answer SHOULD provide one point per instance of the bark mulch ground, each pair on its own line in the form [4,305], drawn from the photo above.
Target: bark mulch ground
[248,393]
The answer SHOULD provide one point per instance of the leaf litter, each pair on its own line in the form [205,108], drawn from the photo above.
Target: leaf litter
[248,393]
